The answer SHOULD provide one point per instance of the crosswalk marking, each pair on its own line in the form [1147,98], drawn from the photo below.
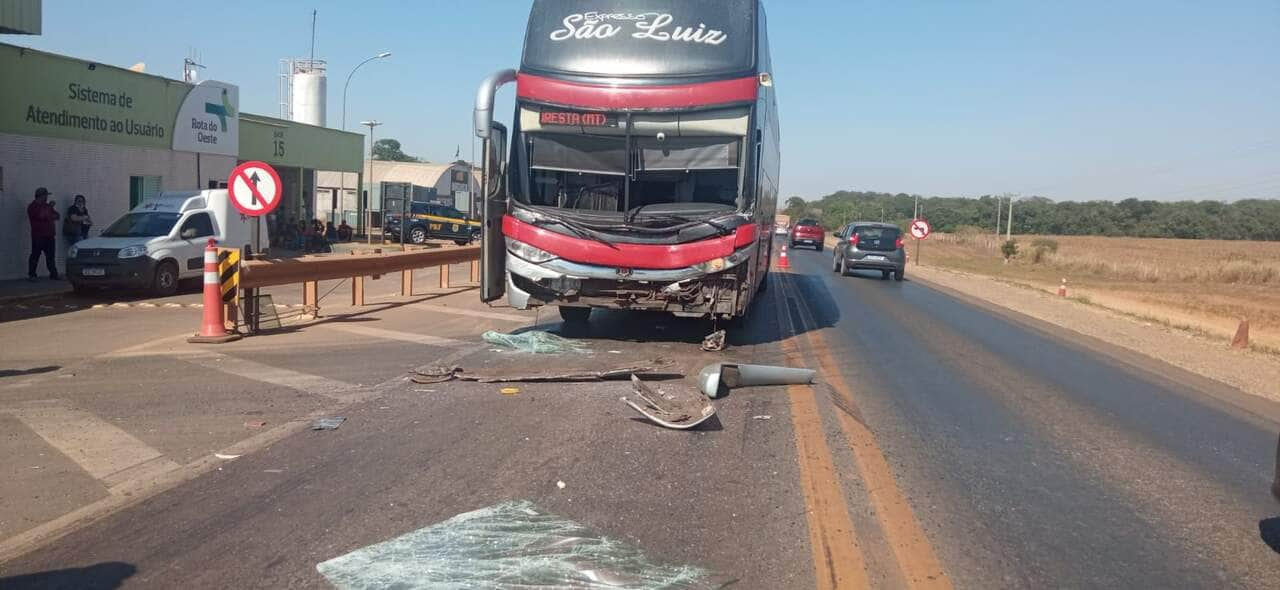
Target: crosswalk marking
[394,335]
[305,382]
[492,315]
[97,446]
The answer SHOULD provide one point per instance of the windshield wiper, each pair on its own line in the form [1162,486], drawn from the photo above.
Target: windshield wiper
[578,229]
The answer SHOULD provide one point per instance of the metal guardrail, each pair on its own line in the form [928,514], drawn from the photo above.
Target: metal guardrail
[310,270]
[272,272]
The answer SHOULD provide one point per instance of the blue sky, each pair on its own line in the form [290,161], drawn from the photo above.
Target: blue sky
[1072,100]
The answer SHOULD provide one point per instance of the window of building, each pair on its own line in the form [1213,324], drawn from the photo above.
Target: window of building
[142,188]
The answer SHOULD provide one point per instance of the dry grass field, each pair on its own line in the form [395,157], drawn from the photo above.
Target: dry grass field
[1201,285]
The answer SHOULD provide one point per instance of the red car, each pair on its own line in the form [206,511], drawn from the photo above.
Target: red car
[808,232]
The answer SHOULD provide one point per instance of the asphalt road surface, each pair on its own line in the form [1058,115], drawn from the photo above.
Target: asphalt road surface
[945,444]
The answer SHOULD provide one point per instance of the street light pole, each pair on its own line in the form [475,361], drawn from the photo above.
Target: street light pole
[368,230]
[343,182]
[383,55]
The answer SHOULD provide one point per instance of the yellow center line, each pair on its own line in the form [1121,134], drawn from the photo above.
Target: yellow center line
[915,556]
[837,559]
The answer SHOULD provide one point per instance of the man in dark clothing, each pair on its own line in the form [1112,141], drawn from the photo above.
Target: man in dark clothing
[44,233]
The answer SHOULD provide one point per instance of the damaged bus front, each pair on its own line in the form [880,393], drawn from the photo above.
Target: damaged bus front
[643,166]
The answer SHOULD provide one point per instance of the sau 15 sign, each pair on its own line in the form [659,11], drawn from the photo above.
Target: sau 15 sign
[254,188]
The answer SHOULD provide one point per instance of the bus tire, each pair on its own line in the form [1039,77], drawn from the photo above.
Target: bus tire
[575,315]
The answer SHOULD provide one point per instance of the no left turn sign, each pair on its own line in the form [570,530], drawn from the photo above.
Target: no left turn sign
[255,188]
[920,229]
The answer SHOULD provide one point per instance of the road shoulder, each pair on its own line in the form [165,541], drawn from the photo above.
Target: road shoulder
[1253,373]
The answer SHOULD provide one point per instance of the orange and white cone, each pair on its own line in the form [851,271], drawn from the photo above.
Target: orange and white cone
[213,328]
[782,259]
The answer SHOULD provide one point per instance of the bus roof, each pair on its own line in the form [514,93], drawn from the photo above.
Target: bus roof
[646,39]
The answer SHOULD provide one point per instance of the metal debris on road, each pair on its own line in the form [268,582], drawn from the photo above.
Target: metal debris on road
[560,484]
[328,423]
[714,342]
[674,405]
[255,424]
[509,390]
[450,372]
[510,545]
[715,379]
[222,456]
[762,417]
[535,341]
[438,374]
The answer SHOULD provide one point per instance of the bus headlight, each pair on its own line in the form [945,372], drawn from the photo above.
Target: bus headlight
[730,261]
[527,252]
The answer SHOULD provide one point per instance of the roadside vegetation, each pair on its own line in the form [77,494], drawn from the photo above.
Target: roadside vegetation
[1207,286]
[1252,219]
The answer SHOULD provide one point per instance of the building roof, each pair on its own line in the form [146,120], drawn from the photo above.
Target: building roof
[417,173]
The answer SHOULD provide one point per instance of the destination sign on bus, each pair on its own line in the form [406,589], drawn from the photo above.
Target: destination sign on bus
[572,119]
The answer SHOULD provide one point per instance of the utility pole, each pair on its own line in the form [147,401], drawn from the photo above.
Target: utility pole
[999,208]
[1009,232]
[369,225]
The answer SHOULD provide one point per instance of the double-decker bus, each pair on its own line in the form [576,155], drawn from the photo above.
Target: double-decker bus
[643,165]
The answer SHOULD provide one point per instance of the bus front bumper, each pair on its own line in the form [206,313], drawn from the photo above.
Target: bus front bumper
[711,287]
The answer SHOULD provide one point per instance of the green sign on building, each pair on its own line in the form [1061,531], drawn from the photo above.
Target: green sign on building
[54,96]
[289,143]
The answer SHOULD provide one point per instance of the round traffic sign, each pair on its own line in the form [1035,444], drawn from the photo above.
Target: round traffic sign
[920,229]
[254,188]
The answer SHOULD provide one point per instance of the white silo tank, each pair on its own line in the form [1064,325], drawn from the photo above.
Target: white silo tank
[309,91]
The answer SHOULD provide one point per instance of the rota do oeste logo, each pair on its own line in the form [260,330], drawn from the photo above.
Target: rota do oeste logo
[222,110]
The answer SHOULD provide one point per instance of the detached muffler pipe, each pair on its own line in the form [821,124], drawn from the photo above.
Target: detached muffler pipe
[717,378]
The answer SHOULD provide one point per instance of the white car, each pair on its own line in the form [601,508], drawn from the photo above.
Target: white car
[781,230]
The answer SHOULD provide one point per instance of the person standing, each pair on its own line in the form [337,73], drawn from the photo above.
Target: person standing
[41,215]
[76,226]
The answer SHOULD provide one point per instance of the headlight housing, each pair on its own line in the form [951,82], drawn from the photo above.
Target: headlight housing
[133,251]
[527,252]
[73,251]
[719,264]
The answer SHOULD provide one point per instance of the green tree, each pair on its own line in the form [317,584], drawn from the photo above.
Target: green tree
[389,150]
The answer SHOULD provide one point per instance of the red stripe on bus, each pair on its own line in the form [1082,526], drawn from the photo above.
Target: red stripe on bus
[576,94]
[650,256]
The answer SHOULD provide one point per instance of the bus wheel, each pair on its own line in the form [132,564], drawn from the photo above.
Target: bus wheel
[574,315]
[418,235]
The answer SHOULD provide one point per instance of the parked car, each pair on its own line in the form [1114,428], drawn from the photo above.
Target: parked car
[872,246]
[780,230]
[808,232]
[431,221]
[159,242]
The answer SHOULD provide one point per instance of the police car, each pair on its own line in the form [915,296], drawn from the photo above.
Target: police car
[428,221]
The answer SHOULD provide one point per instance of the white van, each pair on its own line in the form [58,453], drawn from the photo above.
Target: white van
[160,242]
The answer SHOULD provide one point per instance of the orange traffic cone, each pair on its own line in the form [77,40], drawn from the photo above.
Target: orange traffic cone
[213,329]
[782,259]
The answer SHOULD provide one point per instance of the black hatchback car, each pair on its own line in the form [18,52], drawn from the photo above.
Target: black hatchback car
[872,246]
